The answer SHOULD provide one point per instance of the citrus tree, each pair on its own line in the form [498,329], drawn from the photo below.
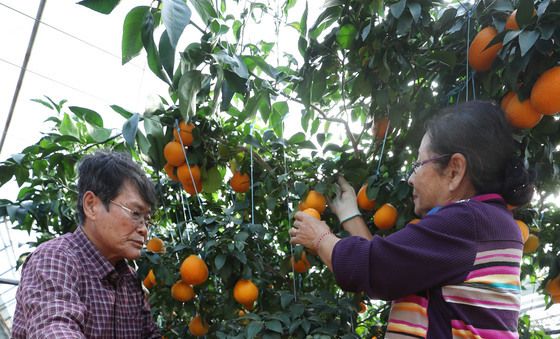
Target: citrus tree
[229,178]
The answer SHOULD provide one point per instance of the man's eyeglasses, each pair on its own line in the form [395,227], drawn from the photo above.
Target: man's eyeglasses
[418,164]
[136,216]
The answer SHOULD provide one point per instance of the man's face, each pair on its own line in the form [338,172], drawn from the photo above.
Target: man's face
[120,229]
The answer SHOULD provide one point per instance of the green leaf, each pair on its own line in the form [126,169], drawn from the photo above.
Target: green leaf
[524,13]
[101,6]
[189,86]
[325,20]
[253,62]
[220,261]
[254,328]
[303,21]
[6,173]
[403,25]
[43,102]
[235,63]
[123,112]
[274,325]
[286,299]
[130,128]
[346,36]
[415,9]
[176,15]
[132,33]
[397,9]
[526,40]
[88,115]
[148,26]
[297,138]
[166,54]
[100,134]
[214,180]
[67,127]
[205,9]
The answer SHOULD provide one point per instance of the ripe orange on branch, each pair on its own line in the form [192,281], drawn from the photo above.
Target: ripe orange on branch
[186,174]
[524,230]
[245,292]
[545,95]
[521,114]
[170,170]
[192,189]
[240,182]
[301,265]
[150,280]
[482,56]
[198,327]
[312,212]
[182,291]
[194,270]
[173,153]
[155,245]
[363,201]
[385,217]
[316,201]
[186,133]
[531,244]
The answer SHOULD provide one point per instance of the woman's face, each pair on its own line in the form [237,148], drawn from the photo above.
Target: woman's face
[429,182]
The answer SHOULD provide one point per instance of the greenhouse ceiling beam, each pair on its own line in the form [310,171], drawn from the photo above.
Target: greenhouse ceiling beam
[23,71]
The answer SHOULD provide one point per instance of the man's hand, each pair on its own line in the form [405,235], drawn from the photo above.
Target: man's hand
[344,205]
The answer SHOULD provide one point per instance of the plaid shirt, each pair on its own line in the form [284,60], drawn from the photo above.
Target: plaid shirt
[69,290]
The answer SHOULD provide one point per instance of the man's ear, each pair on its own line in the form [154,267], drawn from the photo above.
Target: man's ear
[90,203]
[457,171]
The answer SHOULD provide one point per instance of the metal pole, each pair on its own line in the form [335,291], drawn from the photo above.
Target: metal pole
[23,70]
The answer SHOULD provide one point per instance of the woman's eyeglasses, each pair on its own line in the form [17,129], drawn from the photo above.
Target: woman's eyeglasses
[418,164]
[137,217]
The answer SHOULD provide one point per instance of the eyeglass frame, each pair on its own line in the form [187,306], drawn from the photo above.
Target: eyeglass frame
[417,164]
[136,216]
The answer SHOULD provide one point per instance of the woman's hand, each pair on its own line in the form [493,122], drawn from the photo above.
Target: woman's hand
[307,230]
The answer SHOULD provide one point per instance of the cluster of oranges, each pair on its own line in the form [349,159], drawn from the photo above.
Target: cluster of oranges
[176,167]
[314,204]
[530,241]
[385,217]
[545,94]
[193,271]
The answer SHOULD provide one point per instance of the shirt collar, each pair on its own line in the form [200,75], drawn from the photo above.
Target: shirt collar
[98,264]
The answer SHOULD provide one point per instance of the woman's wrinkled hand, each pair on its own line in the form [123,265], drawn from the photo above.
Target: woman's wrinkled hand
[307,230]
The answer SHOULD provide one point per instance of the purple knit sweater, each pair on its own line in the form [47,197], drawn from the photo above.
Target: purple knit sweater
[455,274]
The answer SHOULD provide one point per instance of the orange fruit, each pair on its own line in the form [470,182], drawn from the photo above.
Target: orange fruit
[385,217]
[186,133]
[363,307]
[198,327]
[521,114]
[186,173]
[316,201]
[552,287]
[155,245]
[531,244]
[245,292]
[380,128]
[363,201]
[511,23]
[524,230]
[150,280]
[301,265]
[312,212]
[481,58]
[545,95]
[506,99]
[240,182]
[302,206]
[194,270]
[170,170]
[173,153]
[190,188]
[182,291]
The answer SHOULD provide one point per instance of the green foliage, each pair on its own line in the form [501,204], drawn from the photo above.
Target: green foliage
[363,62]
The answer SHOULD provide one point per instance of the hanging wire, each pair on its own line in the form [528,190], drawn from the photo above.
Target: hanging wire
[469,15]
[252,180]
[185,216]
[188,165]
[378,171]
[288,214]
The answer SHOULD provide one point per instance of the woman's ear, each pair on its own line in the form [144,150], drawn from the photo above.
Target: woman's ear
[457,171]
[90,204]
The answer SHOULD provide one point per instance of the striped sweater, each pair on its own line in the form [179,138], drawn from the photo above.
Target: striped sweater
[455,274]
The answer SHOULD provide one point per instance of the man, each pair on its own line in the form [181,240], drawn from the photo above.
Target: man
[80,285]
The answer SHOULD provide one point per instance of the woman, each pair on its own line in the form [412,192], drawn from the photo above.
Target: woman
[456,272]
